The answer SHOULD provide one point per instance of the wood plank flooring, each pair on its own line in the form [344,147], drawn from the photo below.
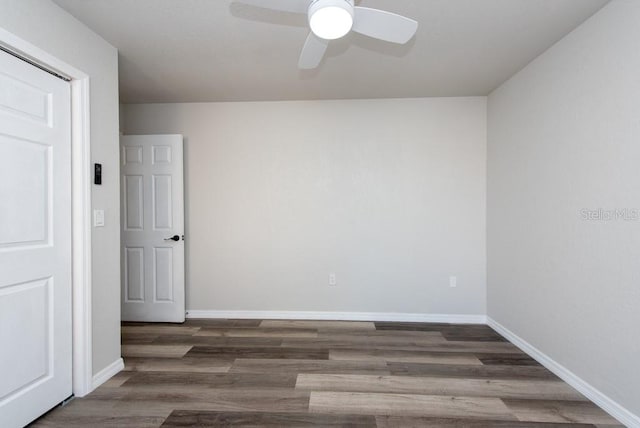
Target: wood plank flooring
[279,373]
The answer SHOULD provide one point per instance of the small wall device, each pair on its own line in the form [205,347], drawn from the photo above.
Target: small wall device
[97,174]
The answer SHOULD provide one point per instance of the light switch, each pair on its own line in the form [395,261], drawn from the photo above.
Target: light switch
[98,218]
[332,279]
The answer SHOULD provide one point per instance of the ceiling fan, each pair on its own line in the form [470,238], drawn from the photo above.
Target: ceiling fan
[333,19]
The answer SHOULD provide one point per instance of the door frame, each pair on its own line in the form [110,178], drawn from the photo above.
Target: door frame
[81,204]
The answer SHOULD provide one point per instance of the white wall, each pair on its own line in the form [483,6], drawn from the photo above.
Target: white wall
[564,135]
[45,25]
[388,194]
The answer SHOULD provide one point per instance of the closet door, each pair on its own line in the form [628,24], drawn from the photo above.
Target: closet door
[35,241]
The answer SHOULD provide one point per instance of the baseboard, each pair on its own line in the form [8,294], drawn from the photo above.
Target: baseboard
[340,316]
[605,403]
[107,373]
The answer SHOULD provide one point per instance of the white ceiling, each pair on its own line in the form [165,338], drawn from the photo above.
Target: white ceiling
[214,50]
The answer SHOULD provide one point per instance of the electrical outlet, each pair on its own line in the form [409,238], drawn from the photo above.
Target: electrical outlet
[332,279]
[453,281]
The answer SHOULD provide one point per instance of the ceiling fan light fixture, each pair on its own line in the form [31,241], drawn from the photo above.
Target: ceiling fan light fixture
[331,19]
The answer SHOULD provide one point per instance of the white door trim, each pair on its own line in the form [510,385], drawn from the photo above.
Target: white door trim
[81,205]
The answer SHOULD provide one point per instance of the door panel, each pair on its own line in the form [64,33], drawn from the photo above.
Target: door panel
[134,279]
[163,274]
[25,99]
[153,211]
[35,242]
[162,203]
[24,170]
[27,306]
[133,202]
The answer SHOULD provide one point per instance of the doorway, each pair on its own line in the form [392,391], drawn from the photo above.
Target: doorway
[78,197]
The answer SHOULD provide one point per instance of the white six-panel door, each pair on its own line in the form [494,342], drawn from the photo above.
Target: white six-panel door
[152,214]
[35,242]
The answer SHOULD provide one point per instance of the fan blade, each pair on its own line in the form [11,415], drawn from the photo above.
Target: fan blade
[383,25]
[312,52]
[293,6]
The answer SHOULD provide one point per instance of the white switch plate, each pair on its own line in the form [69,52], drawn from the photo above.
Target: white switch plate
[98,218]
[332,279]
[453,281]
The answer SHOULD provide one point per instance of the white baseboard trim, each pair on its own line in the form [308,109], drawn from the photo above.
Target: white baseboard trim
[107,373]
[339,316]
[605,403]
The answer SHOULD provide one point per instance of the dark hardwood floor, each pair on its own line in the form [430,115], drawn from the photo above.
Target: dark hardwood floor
[326,373]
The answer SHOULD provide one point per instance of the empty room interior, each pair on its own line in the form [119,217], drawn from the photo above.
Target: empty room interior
[299,213]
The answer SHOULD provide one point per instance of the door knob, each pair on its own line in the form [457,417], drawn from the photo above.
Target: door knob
[173,238]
